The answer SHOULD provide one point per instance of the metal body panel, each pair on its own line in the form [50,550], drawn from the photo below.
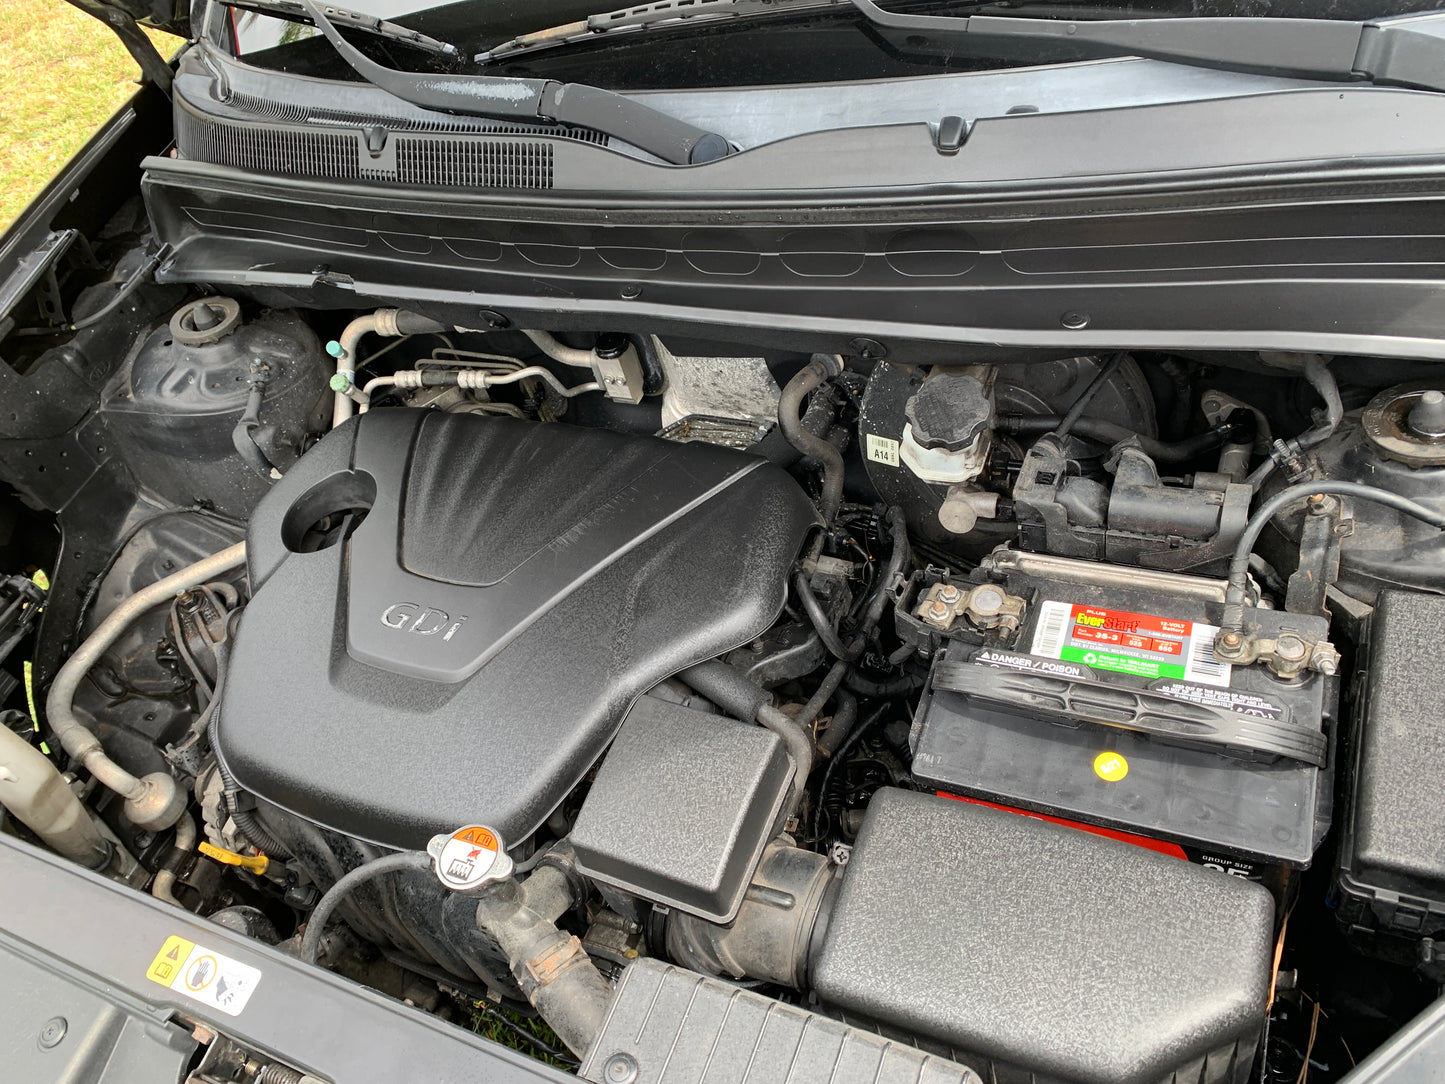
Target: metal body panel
[312,1019]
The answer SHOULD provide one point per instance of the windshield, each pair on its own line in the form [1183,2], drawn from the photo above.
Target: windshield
[813,45]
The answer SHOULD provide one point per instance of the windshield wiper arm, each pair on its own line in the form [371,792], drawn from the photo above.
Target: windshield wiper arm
[1408,51]
[665,13]
[356,20]
[533,100]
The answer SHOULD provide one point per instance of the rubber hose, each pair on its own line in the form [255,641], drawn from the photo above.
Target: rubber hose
[414,323]
[652,374]
[243,436]
[1079,405]
[1239,563]
[1316,371]
[824,628]
[250,828]
[800,747]
[845,714]
[728,688]
[1111,433]
[163,887]
[881,690]
[849,744]
[117,299]
[897,562]
[826,688]
[811,377]
[387,863]
[144,796]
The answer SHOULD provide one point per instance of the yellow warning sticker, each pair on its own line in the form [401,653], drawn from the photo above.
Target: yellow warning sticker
[167,964]
[1110,767]
[207,976]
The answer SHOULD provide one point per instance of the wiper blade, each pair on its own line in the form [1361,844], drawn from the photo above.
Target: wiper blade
[1407,51]
[534,100]
[356,20]
[665,14]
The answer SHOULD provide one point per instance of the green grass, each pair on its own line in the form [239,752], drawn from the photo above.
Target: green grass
[485,1022]
[61,75]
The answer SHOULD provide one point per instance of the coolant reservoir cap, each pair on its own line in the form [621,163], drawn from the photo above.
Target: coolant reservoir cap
[469,858]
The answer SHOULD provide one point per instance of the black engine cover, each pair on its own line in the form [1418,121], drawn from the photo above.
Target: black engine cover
[470,649]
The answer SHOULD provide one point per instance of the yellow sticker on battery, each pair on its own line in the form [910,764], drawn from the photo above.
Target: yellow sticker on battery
[1110,767]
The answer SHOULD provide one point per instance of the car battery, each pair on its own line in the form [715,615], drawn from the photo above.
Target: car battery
[1090,694]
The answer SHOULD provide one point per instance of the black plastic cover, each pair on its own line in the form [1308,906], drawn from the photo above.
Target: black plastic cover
[1391,872]
[467,653]
[1033,948]
[682,807]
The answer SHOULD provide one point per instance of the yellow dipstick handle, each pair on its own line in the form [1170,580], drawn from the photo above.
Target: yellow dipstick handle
[256,864]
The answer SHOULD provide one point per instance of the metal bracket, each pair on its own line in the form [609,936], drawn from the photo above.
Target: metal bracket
[1327,522]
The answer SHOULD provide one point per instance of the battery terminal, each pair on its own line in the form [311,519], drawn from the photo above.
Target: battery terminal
[1288,654]
[985,606]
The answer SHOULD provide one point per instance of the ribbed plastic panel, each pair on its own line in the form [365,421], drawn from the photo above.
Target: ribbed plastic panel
[671,1026]
[462,159]
[473,163]
[301,113]
[268,150]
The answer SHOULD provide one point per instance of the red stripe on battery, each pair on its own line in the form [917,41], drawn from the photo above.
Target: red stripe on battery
[1173,850]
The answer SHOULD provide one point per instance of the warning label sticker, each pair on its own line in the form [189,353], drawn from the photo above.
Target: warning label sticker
[469,857]
[882,450]
[1229,700]
[210,977]
[1128,643]
[1007,660]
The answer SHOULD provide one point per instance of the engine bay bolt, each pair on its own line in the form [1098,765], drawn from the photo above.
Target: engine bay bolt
[948,593]
[52,1032]
[867,349]
[1427,416]
[989,600]
[1231,641]
[1290,648]
[620,1069]
[938,610]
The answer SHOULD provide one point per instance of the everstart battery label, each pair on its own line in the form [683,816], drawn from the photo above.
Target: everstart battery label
[1140,645]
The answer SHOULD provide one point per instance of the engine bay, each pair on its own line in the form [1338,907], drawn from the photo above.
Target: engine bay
[1062,719]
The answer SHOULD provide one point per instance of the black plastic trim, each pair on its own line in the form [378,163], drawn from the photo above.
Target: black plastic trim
[1291,259]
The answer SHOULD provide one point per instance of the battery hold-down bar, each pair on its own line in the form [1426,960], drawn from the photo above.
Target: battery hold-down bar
[1181,722]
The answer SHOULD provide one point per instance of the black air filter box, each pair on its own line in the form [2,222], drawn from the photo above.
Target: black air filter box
[682,807]
[1041,953]
[1391,876]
